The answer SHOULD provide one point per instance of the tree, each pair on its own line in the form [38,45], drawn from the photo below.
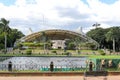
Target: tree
[13,36]
[8,36]
[98,35]
[71,46]
[113,35]
[105,37]
[5,25]
[77,42]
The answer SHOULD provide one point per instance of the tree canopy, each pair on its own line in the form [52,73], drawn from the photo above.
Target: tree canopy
[11,34]
[105,37]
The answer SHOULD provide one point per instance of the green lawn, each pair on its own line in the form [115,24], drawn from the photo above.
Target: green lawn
[105,56]
[91,56]
[88,53]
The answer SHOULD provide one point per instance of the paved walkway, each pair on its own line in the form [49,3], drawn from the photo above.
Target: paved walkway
[57,78]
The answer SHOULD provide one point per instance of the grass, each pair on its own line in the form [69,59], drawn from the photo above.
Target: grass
[90,56]
[105,56]
[87,53]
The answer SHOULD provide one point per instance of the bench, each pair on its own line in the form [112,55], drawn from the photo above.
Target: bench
[95,73]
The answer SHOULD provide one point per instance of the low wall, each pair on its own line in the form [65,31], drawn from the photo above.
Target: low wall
[49,73]
[41,74]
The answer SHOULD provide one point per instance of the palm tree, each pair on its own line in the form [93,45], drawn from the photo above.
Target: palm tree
[6,29]
[112,36]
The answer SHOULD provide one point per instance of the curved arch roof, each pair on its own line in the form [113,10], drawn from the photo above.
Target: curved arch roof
[57,34]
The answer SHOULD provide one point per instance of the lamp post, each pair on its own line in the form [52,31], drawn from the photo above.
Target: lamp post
[96,25]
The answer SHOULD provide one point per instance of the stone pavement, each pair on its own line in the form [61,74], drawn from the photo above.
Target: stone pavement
[56,78]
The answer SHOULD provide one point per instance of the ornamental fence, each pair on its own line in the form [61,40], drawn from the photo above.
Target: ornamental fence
[37,67]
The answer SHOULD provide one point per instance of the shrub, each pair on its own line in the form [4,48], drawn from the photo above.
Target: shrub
[54,51]
[101,52]
[71,46]
[3,50]
[67,53]
[79,52]
[28,51]
[1,46]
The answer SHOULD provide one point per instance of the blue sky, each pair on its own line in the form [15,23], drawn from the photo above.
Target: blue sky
[108,1]
[11,2]
[8,2]
[60,14]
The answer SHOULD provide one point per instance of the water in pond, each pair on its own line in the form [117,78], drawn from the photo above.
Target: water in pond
[35,63]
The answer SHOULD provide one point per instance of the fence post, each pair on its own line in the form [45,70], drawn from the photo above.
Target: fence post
[90,66]
[51,66]
[10,66]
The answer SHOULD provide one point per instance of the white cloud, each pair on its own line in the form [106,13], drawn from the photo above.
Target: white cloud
[60,14]
[105,12]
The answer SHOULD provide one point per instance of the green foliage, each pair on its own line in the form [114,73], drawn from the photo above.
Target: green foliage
[34,45]
[43,37]
[113,33]
[105,36]
[88,46]
[71,46]
[54,51]
[67,53]
[91,45]
[11,34]
[74,43]
[31,44]
[3,50]
[6,30]
[98,35]
[18,45]
[28,51]
[14,36]
[101,52]
[79,52]
[1,46]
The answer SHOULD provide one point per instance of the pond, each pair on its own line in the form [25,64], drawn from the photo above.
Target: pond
[36,63]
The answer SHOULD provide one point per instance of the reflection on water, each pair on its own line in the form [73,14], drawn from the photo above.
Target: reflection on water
[38,62]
